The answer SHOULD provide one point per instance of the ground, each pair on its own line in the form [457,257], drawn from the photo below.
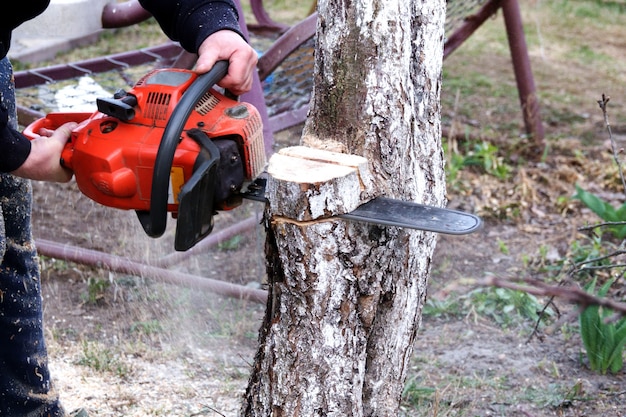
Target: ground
[126,345]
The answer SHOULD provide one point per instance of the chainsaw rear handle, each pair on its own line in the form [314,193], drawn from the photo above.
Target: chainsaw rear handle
[53,121]
[155,221]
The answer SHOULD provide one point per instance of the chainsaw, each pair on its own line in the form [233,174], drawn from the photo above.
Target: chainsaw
[174,144]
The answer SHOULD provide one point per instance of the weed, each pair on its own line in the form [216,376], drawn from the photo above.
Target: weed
[102,359]
[421,399]
[506,307]
[442,308]
[481,155]
[504,249]
[603,338]
[53,263]
[588,250]
[550,368]
[568,331]
[231,244]
[417,395]
[454,165]
[615,218]
[485,156]
[556,396]
[96,289]
[147,327]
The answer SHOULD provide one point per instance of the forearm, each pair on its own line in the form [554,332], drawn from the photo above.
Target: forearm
[190,22]
[15,146]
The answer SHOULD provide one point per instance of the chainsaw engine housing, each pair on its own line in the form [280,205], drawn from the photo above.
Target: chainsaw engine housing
[113,151]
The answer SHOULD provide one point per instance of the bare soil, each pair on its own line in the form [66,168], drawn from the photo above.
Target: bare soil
[126,345]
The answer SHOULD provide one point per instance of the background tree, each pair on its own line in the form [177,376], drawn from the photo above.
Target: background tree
[345,298]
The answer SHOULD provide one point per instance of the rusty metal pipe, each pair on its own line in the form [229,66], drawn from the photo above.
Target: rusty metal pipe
[119,15]
[117,264]
[469,26]
[286,44]
[215,238]
[265,22]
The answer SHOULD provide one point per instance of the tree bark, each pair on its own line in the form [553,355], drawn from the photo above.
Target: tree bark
[345,298]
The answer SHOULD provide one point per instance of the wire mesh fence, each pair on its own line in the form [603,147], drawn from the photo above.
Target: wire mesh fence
[75,86]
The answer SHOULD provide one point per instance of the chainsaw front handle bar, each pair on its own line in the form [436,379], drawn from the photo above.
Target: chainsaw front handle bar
[155,220]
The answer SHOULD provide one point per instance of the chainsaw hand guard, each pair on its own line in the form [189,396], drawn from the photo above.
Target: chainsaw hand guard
[197,197]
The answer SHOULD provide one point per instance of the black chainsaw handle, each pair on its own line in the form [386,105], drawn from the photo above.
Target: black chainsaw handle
[155,224]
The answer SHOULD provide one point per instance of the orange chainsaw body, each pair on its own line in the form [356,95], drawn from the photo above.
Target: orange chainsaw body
[113,159]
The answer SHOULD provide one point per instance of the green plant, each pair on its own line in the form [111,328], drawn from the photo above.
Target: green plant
[505,306]
[96,288]
[482,155]
[504,249]
[417,395]
[592,257]
[604,340]
[231,244]
[454,165]
[102,359]
[588,249]
[447,307]
[556,395]
[147,327]
[485,156]
[605,211]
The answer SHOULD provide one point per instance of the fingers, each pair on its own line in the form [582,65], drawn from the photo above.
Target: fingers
[62,132]
[43,163]
[56,144]
[242,58]
[240,74]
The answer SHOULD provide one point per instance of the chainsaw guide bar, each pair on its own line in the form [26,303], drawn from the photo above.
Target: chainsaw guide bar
[389,212]
[385,211]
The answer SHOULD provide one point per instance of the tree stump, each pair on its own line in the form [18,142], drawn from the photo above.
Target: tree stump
[313,346]
[308,184]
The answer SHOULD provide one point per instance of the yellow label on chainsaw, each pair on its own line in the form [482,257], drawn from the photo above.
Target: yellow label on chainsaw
[177,180]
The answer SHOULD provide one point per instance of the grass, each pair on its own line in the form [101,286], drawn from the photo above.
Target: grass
[428,395]
[572,68]
[576,52]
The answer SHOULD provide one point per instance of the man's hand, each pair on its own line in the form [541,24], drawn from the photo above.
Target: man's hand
[43,162]
[229,46]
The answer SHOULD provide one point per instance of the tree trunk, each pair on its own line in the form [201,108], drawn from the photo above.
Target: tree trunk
[345,298]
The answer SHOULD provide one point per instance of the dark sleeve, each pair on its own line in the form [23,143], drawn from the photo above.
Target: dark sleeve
[190,22]
[15,146]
